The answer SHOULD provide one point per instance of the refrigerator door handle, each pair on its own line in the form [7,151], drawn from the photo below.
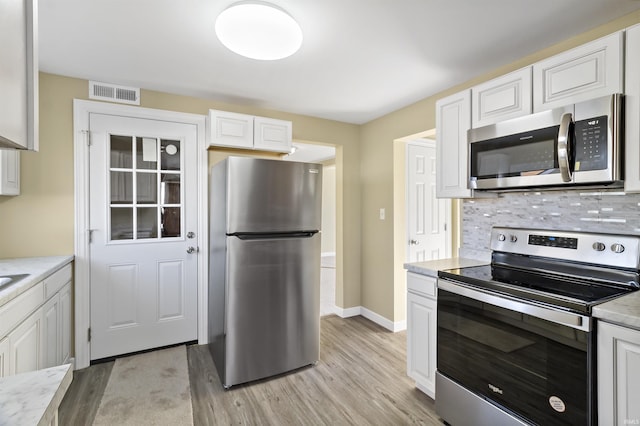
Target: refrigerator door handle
[262,236]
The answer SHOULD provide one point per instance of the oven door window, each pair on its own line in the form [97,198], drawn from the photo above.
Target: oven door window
[525,154]
[533,368]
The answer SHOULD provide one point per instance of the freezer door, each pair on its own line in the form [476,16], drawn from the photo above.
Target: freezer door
[273,195]
[273,307]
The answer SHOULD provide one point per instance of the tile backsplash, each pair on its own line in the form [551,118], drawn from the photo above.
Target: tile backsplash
[610,211]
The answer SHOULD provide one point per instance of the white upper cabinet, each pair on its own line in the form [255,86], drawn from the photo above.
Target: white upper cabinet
[503,98]
[632,111]
[19,74]
[244,131]
[272,135]
[9,172]
[453,120]
[589,71]
[231,129]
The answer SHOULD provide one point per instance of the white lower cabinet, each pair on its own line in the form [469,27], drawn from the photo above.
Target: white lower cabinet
[4,357]
[26,344]
[421,332]
[618,373]
[66,325]
[36,327]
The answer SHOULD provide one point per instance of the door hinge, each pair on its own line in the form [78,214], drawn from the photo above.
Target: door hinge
[90,232]
[89,334]
[87,136]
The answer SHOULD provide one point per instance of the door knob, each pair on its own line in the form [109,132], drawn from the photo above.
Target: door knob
[192,250]
[191,235]
[414,242]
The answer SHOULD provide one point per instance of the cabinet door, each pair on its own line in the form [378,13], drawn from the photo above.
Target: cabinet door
[9,172]
[505,97]
[453,120]
[272,135]
[230,129]
[421,342]
[632,111]
[25,345]
[618,370]
[4,357]
[51,329]
[66,326]
[19,82]
[586,72]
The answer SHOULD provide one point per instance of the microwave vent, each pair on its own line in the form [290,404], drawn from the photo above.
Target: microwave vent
[114,93]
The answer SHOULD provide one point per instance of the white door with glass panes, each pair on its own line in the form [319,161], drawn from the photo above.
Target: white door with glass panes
[143,249]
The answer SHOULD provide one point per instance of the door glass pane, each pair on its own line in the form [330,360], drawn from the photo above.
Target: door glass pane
[121,223]
[121,152]
[147,222]
[121,187]
[146,153]
[170,189]
[147,188]
[170,154]
[171,221]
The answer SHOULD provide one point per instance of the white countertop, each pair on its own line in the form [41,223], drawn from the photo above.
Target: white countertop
[38,268]
[623,311]
[33,398]
[431,267]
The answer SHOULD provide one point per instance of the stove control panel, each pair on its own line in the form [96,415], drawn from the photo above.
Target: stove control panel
[596,248]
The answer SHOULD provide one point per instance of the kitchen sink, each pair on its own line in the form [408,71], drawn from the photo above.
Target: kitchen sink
[7,280]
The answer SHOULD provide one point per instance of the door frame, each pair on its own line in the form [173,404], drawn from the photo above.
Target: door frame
[428,142]
[82,277]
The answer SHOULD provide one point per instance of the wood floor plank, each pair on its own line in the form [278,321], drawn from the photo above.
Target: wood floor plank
[80,404]
[360,379]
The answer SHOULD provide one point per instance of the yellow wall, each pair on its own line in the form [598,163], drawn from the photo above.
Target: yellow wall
[383,282]
[39,222]
[369,260]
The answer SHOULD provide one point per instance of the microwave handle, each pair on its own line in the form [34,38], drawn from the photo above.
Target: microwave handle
[564,147]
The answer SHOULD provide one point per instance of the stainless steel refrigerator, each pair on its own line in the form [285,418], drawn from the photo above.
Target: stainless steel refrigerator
[264,267]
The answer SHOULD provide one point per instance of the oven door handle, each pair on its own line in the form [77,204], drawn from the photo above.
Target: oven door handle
[579,322]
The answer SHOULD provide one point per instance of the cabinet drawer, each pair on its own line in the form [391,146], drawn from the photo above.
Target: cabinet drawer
[19,308]
[54,282]
[422,284]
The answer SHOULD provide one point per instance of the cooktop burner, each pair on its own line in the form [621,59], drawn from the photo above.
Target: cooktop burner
[568,292]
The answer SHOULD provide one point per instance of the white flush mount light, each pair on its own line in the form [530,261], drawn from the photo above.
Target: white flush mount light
[258,30]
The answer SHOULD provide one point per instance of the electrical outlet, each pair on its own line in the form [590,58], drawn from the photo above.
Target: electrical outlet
[382,214]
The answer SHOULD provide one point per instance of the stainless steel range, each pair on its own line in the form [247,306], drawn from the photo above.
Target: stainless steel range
[516,340]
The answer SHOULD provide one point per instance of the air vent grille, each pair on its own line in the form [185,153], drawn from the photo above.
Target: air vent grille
[114,93]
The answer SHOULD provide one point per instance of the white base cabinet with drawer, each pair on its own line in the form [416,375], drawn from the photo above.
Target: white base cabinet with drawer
[36,326]
[618,373]
[421,331]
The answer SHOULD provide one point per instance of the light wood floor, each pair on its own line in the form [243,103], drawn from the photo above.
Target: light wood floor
[359,380]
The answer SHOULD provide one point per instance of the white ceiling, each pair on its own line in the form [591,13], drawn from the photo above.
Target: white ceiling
[360,59]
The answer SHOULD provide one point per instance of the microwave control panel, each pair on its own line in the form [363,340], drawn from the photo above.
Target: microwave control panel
[591,143]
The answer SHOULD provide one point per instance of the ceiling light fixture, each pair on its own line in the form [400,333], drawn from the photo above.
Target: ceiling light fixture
[258,30]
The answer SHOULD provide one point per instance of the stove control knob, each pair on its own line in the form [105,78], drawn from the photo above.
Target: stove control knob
[513,238]
[617,248]
[599,246]
[501,237]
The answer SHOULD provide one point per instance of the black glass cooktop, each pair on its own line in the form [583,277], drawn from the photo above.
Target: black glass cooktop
[578,293]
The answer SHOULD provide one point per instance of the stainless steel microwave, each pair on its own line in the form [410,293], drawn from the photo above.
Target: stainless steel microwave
[580,144]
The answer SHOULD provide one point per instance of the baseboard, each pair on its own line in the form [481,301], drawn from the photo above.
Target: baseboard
[372,316]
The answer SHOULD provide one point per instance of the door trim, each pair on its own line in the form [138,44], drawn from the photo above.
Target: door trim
[81,111]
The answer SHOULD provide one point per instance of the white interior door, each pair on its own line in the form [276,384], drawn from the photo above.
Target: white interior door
[428,217]
[143,250]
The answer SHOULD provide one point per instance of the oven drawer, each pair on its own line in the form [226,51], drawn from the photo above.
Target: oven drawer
[422,285]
